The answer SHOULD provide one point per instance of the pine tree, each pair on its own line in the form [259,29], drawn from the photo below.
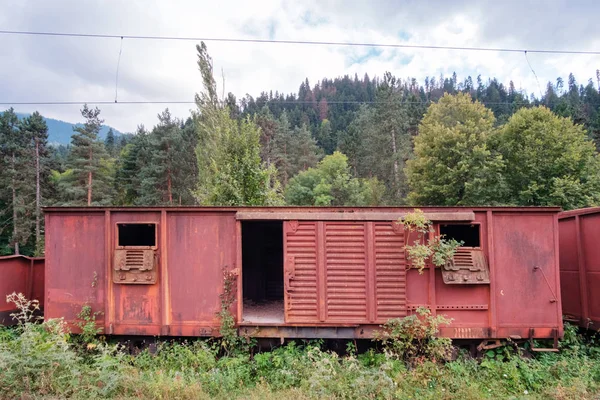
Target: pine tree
[305,152]
[326,138]
[281,149]
[35,130]
[268,127]
[351,142]
[109,142]
[88,179]
[133,158]
[387,147]
[170,171]
[14,179]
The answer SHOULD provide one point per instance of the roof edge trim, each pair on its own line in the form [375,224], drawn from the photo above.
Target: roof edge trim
[349,216]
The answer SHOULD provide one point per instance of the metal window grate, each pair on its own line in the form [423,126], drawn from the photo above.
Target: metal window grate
[134,266]
[468,266]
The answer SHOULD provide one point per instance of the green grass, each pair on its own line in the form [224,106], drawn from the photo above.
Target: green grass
[43,361]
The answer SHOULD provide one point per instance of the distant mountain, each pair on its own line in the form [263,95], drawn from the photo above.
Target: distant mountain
[60,132]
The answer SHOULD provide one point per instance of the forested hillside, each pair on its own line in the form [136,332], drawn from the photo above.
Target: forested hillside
[59,132]
[344,141]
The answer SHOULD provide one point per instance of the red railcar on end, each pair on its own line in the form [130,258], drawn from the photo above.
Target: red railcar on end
[579,233]
[20,274]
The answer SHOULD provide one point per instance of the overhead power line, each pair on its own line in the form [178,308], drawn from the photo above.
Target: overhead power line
[298,42]
[101,102]
[107,102]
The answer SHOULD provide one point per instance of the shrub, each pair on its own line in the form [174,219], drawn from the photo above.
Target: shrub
[414,338]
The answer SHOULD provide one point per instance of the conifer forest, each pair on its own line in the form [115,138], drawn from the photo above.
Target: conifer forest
[343,141]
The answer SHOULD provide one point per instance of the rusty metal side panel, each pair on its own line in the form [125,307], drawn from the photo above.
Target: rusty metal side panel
[526,263]
[345,264]
[390,271]
[200,247]
[590,245]
[136,308]
[467,305]
[417,288]
[14,272]
[301,272]
[569,269]
[37,289]
[75,265]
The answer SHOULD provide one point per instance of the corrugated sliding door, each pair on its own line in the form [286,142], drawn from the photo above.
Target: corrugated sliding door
[343,272]
[390,271]
[346,271]
[300,271]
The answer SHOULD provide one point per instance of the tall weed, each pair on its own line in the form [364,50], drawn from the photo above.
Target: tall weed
[415,338]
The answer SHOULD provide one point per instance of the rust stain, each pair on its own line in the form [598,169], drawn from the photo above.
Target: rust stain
[138,308]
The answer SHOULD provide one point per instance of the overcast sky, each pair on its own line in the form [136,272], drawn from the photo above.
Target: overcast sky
[37,68]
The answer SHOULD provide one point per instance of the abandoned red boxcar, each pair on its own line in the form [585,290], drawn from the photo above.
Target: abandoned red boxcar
[301,272]
[20,274]
[579,233]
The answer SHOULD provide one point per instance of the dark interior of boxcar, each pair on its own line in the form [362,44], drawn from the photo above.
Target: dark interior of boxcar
[136,234]
[466,233]
[262,271]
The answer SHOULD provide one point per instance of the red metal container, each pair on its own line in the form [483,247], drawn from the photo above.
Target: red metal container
[301,272]
[20,274]
[579,233]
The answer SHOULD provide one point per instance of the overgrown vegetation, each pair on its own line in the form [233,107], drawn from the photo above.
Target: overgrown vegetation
[427,245]
[414,339]
[230,342]
[86,322]
[42,360]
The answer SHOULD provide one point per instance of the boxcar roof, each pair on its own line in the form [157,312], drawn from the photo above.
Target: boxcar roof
[579,211]
[304,209]
[20,256]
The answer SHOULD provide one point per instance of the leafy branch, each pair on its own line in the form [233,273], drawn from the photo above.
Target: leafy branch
[436,248]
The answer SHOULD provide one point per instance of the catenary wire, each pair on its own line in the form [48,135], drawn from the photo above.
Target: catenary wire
[296,42]
[110,102]
[534,74]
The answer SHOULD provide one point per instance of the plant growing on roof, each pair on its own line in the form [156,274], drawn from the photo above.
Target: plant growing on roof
[436,248]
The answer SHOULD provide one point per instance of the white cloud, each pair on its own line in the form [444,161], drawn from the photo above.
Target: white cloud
[76,69]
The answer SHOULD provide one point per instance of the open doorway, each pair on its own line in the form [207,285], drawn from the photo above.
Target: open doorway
[262,271]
